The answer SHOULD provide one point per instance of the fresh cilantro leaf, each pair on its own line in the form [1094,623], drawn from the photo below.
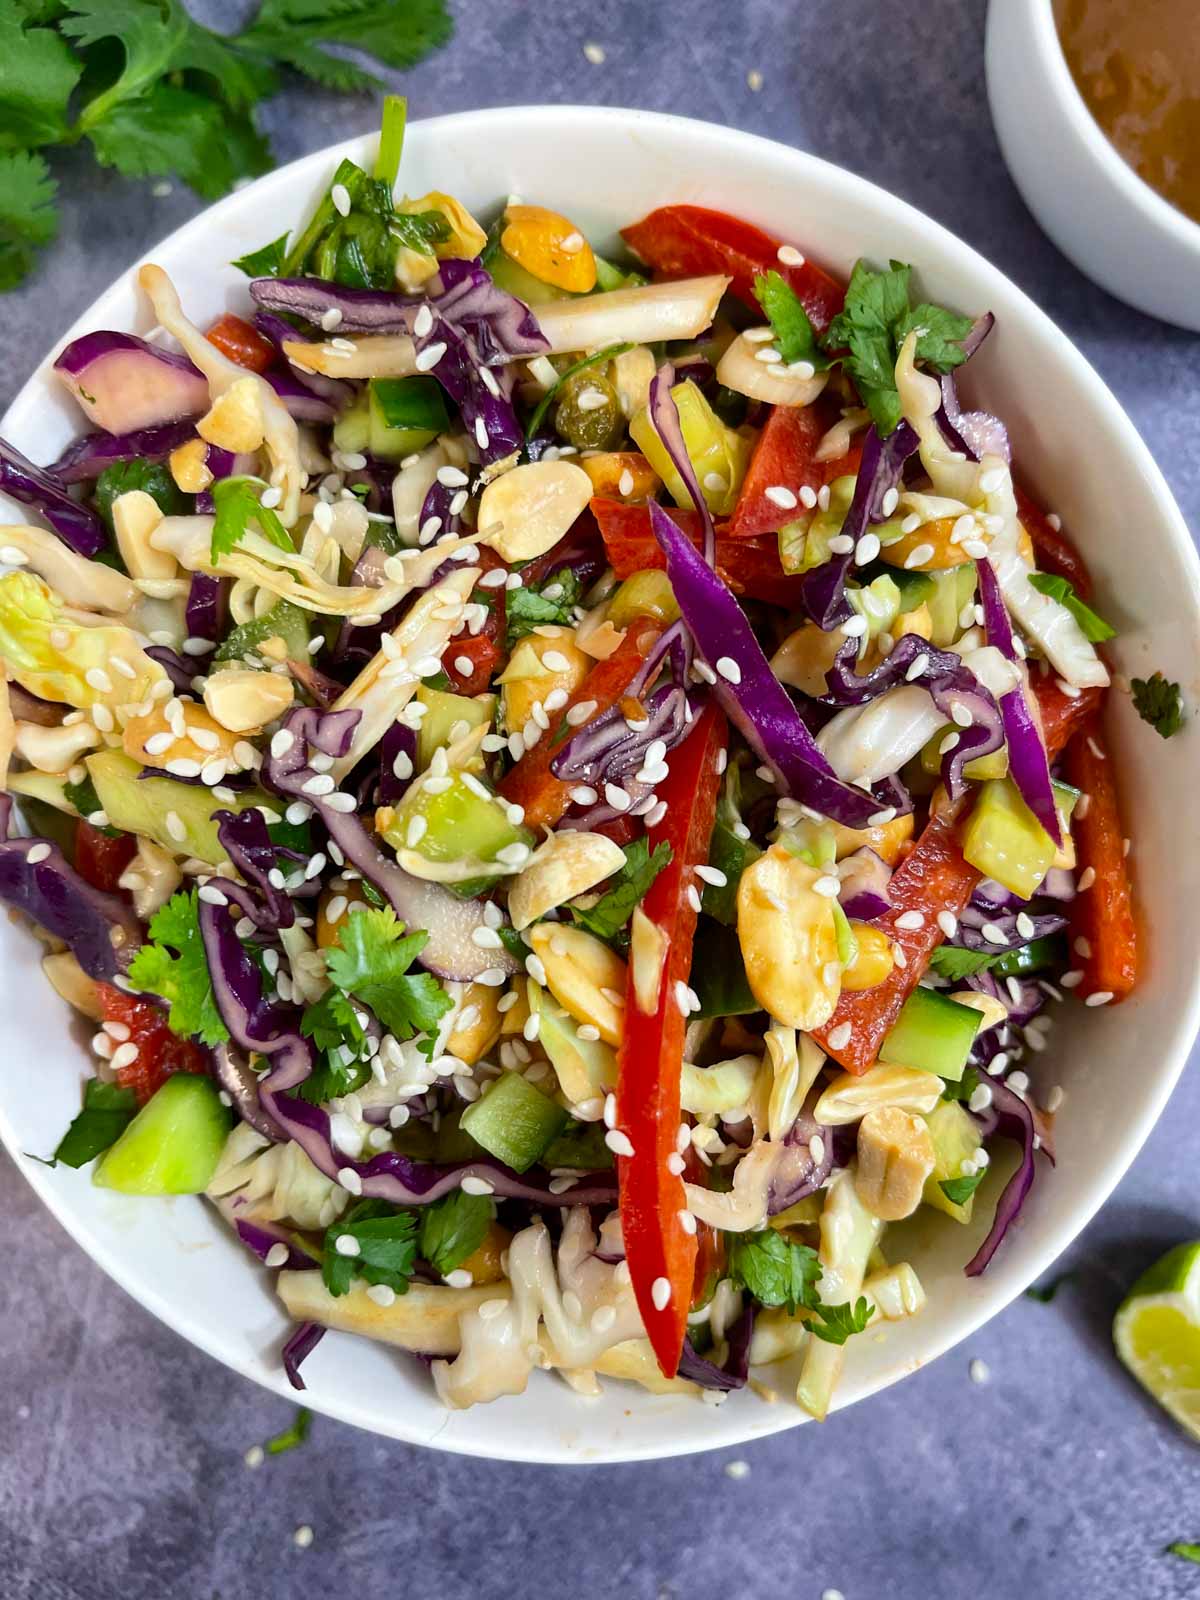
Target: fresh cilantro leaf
[959,1190]
[332,1023]
[107,1111]
[1043,1293]
[239,511]
[949,961]
[776,1271]
[628,888]
[28,216]
[154,477]
[452,1229]
[1189,1552]
[358,247]
[38,71]
[371,961]
[171,130]
[396,32]
[86,801]
[1157,701]
[266,262]
[291,1437]
[795,337]
[874,323]
[1092,626]
[836,1324]
[173,966]
[530,608]
[387,1247]
[964,1088]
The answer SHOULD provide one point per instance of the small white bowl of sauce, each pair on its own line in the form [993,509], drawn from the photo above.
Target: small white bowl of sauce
[1097,108]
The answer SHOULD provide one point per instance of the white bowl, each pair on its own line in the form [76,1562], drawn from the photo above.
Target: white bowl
[1099,212]
[1074,444]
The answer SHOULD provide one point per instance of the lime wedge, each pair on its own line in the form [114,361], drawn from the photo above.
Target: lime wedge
[1157,1333]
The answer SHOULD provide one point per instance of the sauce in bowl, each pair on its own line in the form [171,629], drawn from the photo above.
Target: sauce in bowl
[1137,65]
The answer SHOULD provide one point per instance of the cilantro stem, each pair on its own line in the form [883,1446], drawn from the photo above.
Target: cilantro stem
[391,139]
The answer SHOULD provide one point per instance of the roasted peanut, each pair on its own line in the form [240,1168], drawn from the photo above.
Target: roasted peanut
[851,1096]
[584,976]
[244,701]
[789,940]
[895,1156]
[527,511]
[567,864]
[873,961]
[477,1026]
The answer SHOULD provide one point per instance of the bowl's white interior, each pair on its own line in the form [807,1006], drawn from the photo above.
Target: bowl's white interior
[1073,444]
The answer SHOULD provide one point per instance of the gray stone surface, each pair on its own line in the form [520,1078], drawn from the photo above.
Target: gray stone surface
[121,1473]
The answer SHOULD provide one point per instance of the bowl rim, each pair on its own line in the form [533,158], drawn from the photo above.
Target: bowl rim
[658,1441]
[1154,207]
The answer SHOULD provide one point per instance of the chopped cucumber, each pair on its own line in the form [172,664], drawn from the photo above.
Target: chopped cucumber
[445,712]
[1005,841]
[352,430]
[173,1144]
[714,449]
[955,1140]
[1040,955]
[514,1122]
[142,805]
[460,823]
[933,1034]
[609,276]
[916,588]
[406,414]
[284,621]
[643,594]
[585,1068]
[45,787]
[953,588]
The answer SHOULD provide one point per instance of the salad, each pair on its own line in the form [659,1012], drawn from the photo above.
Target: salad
[570,787]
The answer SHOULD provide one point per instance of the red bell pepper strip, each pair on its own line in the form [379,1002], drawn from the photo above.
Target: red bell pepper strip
[531,783]
[687,241]
[100,859]
[159,1051]
[783,458]
[934,877]
[1101,917]
[1054,551]
[749,566]
[241,343]
[658,1248]
[484,651]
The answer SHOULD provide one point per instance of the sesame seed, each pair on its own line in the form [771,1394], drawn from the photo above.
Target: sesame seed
[619,1143]
[918,667]
[1086,879]
[839,1037]
[176,826]
[303,1535]
[890,501]
[879,819]
[993,933]
[754,82]
[948,923]
[829,887]
[866,549]
[126,1054]
[780,496]
[1083,947]
[595,53]
[429,357]
[961,714]
[978,1371]
[712,875]
[660,1293]
[950,742]
[347,1245]
[729,669]
[39,852]
[1100,998]
[854,627]
[212,895]
[911,920]
[340,196]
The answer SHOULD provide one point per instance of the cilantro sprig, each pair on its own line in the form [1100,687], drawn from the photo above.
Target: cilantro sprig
[163,96]
[867,333]
[239,510]
[954,963]
[107,1111]
[386,1242]
[173,966]
[531,607]
[779,1272]
[1159,702]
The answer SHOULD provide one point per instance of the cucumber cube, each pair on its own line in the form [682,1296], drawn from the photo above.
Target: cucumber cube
[173,1144]
[514,1122]
[444,710]
[933,1034]
[955,1140]
[406,414]
[142,805]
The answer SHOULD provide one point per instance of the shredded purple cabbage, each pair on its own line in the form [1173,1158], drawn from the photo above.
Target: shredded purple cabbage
[1011,1118]
[85,459]
[100,929]
[735,1369]
[297,1350]
[76,525]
